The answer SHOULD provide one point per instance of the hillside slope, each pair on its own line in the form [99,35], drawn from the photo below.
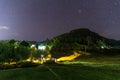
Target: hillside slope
[80,40]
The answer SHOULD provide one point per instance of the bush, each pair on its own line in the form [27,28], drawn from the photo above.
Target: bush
[26,64]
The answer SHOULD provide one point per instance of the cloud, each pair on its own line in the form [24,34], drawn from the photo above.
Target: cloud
[4,28]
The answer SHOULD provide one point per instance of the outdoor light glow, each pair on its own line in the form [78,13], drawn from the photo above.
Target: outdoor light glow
[102,47]
[32,45]
[41,47]
[36,61]
[28,59]
[68,58]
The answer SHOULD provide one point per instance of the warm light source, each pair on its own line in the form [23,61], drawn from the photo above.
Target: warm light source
[68,58]
[33,46]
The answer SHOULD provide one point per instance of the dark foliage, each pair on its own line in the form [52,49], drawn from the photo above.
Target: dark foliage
[80,40]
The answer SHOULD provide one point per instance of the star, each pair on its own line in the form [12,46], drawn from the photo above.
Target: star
[79,11]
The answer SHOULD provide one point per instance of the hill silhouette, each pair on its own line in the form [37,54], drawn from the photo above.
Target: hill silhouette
[81,39]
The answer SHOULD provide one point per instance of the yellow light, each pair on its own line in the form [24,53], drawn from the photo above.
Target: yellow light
[36,61]
[28,59]
[68,58]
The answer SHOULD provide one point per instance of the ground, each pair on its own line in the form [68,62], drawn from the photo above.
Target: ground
[107,68]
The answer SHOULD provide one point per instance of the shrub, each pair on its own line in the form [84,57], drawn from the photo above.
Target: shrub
[26,64]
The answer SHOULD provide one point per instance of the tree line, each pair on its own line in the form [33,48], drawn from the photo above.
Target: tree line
[14,51]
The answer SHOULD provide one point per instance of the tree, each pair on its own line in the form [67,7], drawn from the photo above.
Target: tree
[24,43]
[101,44]
[12,41]
[33,53]
[22,53]
[9,53]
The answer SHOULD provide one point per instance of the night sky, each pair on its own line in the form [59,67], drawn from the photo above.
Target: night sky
[41,19]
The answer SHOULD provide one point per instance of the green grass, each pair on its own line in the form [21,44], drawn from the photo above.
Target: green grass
[35,73]
[63,72]
[106,68]
[81,72]
[100,58]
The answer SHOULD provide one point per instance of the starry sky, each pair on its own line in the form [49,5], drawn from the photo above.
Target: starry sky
[37,20]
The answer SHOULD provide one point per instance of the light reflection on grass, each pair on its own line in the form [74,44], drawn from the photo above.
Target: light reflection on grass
[92,64]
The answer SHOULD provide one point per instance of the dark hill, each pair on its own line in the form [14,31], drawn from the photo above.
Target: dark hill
[80,40]
[80,36]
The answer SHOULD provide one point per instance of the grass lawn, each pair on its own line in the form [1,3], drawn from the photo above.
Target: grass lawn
[75,70]
[35,73]
[63,72]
